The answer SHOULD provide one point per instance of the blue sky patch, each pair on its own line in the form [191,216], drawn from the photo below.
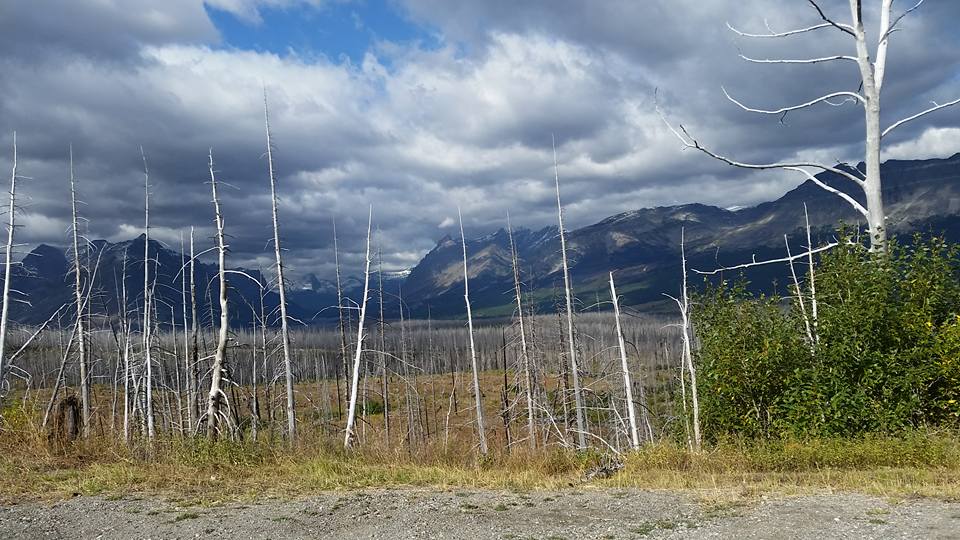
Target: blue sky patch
[336,30]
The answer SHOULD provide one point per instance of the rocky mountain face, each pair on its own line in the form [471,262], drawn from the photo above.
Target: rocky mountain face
[641,246]
[45,278]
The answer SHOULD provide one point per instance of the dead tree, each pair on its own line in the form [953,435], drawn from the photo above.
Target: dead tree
[78,293]
[192,394]
[625,367]
[8,264]
[683,303]
[343,329]
[571,346]
[147,307]
[125,326]
[352,407]
[384,374]
[481,428]
[217,397]
[281,286]
[870,59]
[189,380]
[524,350]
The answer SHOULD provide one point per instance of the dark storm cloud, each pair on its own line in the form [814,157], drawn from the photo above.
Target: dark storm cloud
[415,131]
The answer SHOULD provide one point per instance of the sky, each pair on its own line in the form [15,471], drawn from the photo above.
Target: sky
[420,106]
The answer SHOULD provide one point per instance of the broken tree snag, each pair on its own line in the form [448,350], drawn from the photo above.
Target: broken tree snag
[217,399]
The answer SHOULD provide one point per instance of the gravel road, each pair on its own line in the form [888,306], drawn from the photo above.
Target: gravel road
[456,514]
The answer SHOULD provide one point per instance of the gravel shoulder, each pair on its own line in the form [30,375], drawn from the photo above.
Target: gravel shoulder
[421,513]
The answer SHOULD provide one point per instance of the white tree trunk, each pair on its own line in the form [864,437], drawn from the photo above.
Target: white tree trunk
[281,285]
[8,265]
[571,345]
[687,353]
[78,293]
[872,77]
[481,427]
[125,324]
[524,350]
[358,354]
[217,396]
[147,301]
[625,367]
[193,395]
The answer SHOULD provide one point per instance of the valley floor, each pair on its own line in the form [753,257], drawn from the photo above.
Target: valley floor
[424,513]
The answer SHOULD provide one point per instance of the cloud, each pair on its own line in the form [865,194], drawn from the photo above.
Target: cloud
[249,10]
[106,30]
[933,143]
[417,130]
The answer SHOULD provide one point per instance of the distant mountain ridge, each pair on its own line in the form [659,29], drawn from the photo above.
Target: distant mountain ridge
[641,246]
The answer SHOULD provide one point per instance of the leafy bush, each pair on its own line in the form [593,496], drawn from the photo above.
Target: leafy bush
[887,356]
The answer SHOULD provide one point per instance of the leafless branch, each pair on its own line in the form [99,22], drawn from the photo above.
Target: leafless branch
[755,262]
[845,28]
[893,26]
[797,61]
[822,99]
[936,107]
[773,34]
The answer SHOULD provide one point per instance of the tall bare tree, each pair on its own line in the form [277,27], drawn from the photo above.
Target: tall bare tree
[147,301]
[217,397]
[686,354]
[344,366]
[481,428]
[625,368]
[870,58]
[193,393]
[526,361]
[78,288]
[571,344]
[358,353]
[8,264]
[281,285]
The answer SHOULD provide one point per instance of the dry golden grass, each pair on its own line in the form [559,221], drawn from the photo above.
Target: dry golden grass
[914,464]
[920,464]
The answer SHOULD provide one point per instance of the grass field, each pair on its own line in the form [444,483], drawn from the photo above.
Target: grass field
[441,454]
[918,464]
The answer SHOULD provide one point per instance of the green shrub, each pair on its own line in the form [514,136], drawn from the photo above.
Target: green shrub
[887,356]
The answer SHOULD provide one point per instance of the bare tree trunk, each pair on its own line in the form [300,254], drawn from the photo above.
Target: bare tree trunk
[217,396]
[813,280]
[352,408]
[147,301]
[384,374]
[571,347]
[687,353]
[343,330]
[524,350]
[78,291]
[8,265]
[871,74]
[125,322]
[187,369]
[627,385]
[192,395]
[481,428]
[284,331]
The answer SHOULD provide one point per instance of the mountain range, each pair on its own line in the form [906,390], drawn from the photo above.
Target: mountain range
[641,246]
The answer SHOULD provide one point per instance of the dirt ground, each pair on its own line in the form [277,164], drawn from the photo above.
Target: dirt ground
[418,513]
